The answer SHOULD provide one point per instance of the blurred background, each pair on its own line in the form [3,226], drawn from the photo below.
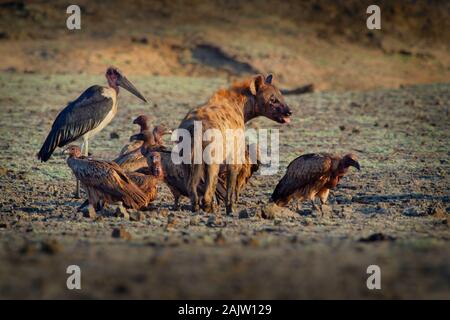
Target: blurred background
[325,43]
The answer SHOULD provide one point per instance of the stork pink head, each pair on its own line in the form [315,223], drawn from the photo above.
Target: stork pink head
[116,78]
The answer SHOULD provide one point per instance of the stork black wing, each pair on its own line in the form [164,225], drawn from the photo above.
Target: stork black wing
[77,118]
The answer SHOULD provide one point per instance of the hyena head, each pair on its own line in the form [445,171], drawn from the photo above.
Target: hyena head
[269,100]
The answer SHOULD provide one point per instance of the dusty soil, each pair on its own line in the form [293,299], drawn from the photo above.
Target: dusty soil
[401,136]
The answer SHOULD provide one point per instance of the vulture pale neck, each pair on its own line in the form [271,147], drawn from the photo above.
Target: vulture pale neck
[144,126]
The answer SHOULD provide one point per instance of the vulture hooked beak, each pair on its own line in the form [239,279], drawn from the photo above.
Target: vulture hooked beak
[127,85]
[355,164]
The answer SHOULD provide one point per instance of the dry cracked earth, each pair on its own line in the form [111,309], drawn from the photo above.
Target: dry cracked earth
[394,213]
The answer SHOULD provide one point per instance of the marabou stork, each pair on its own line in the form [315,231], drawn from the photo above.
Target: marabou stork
[87,115]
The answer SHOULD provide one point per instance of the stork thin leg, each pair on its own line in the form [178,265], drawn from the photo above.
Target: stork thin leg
[77,190]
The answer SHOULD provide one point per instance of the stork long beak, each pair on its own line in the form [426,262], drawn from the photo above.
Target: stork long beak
[127,85]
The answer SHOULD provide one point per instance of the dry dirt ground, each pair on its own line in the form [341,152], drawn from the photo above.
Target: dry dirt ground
[401,136]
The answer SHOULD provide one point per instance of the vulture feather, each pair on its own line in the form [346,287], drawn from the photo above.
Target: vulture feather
[105,182]
[312,175]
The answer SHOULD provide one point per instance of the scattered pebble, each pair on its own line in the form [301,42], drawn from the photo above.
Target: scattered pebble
[215,221]
[377,237]
[121,212]
[243,214]
[90,212]
[195,220]
[172,222]
[121,233]
[136,215]
[114,135]
[438,212]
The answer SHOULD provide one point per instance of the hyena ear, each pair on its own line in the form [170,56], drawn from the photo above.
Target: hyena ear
[256,84]
[269,78]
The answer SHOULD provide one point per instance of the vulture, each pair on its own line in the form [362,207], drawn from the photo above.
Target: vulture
[173,174]
[142,122]
[87,115]
[312,175]
[148,182]
[131,158]
[105,182]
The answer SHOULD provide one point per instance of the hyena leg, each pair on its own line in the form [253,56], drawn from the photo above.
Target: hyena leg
[323,195]
[231,188]
[194,180]
[212,173]
[176,197]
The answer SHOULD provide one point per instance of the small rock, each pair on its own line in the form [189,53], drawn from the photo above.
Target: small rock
[121,233]
[271,211]
[141,40]
[411,212]
[345,212]
[51,246]
[136,215]
[243,214]
[121,212]
[164,212]
[90,212]
[46,246]
[438,212]
[215,221]
[195,220]
[327,210]
[3,171]
[377,237]
[172,222]
[219,239]
[114,135]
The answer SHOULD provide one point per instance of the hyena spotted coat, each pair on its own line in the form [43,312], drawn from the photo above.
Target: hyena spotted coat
[229,109]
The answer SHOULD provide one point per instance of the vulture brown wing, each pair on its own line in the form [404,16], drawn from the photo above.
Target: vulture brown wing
[129,148]
[110,179]
[132,161]
[303,171]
